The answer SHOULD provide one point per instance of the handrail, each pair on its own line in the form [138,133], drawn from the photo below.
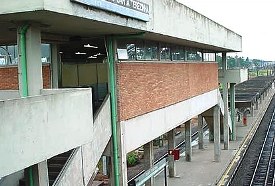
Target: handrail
[101,106]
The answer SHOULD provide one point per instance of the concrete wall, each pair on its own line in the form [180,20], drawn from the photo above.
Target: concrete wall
[12,180]
[171,18]
[145,87]
[9,77]
[233,75]
[37,128]
[142,129]
[81,167]
[9,94]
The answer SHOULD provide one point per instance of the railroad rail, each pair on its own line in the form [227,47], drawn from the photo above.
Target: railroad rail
[256,166]
[264,171]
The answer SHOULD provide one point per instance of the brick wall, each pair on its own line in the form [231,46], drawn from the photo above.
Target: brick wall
[145,87]
[9,77]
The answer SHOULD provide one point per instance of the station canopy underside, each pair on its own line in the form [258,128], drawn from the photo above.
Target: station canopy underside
[248,91]
[56,27]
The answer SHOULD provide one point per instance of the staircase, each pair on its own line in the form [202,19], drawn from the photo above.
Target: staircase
[55,165]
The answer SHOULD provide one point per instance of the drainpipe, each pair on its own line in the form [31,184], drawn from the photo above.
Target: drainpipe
[113,106]
[23,59]
[112,86]
[25,93]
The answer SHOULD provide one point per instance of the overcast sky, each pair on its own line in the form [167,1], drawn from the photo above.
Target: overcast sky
[253,19]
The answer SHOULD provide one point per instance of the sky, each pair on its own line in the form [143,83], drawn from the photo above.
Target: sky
[254,20]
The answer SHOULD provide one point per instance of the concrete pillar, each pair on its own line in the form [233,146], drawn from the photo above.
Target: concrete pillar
[200,131]
[217,135]
[252,109]
[35,84]
[188,141]
[225,101]
[34,64]
[55,61]
[225,117]
[171,145]
[149,160]
[232,110]
[256,104]
[41,174]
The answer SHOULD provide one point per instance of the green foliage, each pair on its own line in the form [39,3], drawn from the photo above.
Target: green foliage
[132,159]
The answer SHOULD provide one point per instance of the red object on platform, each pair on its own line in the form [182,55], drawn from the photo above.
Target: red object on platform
[244,120]
[175,153]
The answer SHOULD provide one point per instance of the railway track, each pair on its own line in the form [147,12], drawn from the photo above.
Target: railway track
[257,166]
[264,171]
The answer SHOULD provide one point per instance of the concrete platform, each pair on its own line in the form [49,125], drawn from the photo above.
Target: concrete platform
[203,170]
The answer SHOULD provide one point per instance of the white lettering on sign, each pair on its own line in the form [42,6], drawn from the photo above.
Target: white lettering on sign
[133,4]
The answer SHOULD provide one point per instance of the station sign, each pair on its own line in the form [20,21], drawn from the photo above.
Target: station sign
[130,8]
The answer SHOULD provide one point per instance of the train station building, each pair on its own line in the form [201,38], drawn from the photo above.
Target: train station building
[82,79]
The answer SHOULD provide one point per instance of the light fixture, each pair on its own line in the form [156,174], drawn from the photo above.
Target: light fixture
[90,46]
[92,57]
[60,52]
[80,53]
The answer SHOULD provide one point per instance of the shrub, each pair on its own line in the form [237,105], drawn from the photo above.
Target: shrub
[132,159]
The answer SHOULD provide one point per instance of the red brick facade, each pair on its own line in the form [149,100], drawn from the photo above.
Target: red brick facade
[145,87]
[9,77]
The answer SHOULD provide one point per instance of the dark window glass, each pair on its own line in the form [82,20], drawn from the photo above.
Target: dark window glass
[45,53]
[178,53]
[165,54]
[193,55]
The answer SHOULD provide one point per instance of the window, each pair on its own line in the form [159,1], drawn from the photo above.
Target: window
[9,54]
[193,55]
[165,54]
[178,53]
[209,57]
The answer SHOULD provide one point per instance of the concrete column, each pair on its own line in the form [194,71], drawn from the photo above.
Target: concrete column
[34,64]
[252,109]
[188,141]
[200,131]
[256,104]
[171,145]
[232,110]
[55,65]
[35,84]
[225,101]
[217,135]
[149,160]
[225,117]
[41,174]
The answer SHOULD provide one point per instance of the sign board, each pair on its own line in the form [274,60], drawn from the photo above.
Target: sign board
[130,8]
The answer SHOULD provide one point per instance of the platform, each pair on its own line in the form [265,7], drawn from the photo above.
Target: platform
[202,170]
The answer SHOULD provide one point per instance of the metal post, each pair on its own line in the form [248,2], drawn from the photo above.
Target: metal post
[217,135]
[200,131]
[188,147]
[165,176]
